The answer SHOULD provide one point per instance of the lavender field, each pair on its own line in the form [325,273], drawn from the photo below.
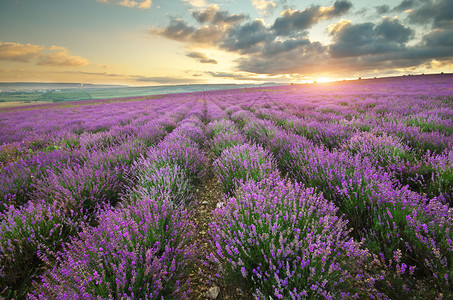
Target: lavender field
[316,191]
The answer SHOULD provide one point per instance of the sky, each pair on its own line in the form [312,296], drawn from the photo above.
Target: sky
[158,42]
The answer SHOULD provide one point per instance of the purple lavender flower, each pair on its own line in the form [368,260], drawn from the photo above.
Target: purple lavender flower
[282,239]
[80,189]
[167,180]
[241,163]
[140,251]
[188,157]
[27,235]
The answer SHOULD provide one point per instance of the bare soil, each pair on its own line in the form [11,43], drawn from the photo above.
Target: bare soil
[204,278]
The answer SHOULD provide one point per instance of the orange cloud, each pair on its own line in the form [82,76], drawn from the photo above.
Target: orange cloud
[264,5]
[62,58]
[52,56]
[201,57]
[142,4]
[19,52]
[196,3]
[337,27]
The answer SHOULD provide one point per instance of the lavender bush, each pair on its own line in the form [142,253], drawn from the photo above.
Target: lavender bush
[286,242]
[169,181]
[189,158]
[225,140]
[386,151]
[17,179]
[219,126]
[241,163]
[27,233]
[80,189]
[442,176]
[138,251]
[380,214]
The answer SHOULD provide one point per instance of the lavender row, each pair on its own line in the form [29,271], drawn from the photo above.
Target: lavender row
[278,238]
[62,190]
[120,143]
[145,247]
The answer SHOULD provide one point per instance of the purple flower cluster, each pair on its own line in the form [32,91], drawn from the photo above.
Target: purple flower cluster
[441,183]
[17,178]
[82,188]
[224,134]
[26,234]
[241,163]
[144,247]
[286,242]
[167,180]
[386,151]
[184,153]
[138,251]
[71,170]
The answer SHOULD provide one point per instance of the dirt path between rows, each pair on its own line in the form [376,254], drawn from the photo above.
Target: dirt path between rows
[205,284]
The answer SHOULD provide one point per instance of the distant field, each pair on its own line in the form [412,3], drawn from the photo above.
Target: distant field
[21,103]
[55,95]
[16,96]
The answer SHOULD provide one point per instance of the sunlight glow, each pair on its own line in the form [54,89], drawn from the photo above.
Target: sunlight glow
[324,79]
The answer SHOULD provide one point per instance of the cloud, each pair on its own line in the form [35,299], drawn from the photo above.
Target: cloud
[145,4]
[236,76]
[168,80]
[263,50]
[264,5]
[52,56]
[247,38]
[102,74]
[303,57]
[296,21]
[333,29]
[440,13]
[369,38]
[392,30]
[61,58]
[19,52]
[284,47]
[382,9]
[141,4]
[177,30]
[201,57]
[439,38]
[214,16]
[196,3]
[404,5]
[214,26]
[231,33]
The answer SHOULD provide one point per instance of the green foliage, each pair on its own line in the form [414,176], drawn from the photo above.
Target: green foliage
[25,233]
[241,163]
[428,125]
